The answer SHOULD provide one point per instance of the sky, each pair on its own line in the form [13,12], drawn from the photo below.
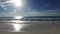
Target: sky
[29,8]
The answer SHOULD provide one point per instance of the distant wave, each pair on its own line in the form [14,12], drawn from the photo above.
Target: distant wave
[33,18]
[43,17]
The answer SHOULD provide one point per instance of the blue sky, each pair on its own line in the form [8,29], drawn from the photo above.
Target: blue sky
[45,4]
[30,8]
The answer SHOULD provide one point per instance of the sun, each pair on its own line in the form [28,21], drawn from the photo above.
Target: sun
[18,2]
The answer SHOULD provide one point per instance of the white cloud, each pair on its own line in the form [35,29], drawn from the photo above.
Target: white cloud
[10,8]
[44,13]
[4,15]
[5,4]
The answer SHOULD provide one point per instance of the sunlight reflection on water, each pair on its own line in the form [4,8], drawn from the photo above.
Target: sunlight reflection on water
[17,21]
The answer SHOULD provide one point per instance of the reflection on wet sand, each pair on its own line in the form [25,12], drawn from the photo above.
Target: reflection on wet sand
[16,27]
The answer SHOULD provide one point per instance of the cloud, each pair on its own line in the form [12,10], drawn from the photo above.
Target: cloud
[21,11]
[6,3]
[7,6]
[44,13]
[11,10]
[4,15]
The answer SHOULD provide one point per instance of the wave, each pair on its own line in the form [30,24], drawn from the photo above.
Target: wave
[32,18]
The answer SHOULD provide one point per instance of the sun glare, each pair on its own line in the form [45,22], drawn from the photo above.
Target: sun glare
[18,17]
[17,2]
[18,21]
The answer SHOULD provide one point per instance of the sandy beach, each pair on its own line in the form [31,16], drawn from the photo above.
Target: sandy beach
[16,28]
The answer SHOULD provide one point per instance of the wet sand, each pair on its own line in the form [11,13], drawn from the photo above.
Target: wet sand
[12,27]
[17,28]
[35,32]
[52,29]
